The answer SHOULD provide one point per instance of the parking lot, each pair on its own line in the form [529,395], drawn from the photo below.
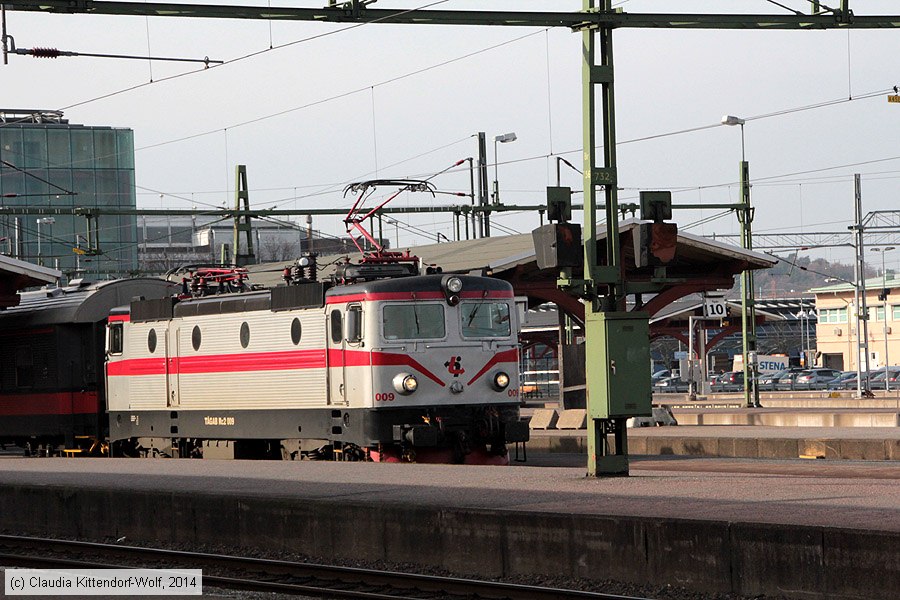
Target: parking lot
[792,379]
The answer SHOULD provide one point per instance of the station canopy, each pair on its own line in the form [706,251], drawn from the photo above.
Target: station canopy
[700,265]
[16,275]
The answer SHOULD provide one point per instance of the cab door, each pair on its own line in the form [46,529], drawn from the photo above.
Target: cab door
[357,358]
[173,393]
[337,357]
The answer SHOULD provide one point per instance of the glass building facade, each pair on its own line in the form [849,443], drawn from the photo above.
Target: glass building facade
[47,162]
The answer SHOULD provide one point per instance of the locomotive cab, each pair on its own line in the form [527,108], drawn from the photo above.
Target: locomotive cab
[435,359]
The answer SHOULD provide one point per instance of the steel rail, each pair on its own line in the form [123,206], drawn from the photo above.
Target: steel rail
[316,579]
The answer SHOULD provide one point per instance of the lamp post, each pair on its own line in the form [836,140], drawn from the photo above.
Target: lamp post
[748,305]
[805,337]
[39,222]
[503,139]
[884,329]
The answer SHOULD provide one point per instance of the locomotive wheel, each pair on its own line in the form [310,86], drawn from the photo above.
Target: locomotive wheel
[386,455]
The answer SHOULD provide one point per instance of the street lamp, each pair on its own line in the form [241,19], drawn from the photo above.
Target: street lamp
[748,308]
[731,120]
[42,221]
[883,251]
[503,139]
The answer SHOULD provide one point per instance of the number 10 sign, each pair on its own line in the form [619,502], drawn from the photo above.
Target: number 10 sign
[714,308]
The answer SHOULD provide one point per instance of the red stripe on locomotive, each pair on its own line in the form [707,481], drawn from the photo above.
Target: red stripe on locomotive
[511,355]
[220,363]
[361,358]
[263,361]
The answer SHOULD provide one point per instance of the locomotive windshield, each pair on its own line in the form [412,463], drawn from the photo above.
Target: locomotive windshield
[485,319]
[413,321]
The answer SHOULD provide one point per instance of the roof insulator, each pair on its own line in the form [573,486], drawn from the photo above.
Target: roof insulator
[45,53]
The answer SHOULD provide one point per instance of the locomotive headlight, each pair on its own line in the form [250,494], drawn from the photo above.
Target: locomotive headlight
[405,383]
[452,286]
[500,381]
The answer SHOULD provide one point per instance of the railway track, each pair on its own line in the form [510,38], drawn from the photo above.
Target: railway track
[266,575]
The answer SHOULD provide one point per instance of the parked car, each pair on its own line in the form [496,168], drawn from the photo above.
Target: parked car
[713,380]
[893,378]
[768,381]
[838,382]
[732,381]
[850,382]
[660,375]
[788,380]
[814,379]
[670,385]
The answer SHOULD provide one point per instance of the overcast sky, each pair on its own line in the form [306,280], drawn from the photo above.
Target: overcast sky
[331,104]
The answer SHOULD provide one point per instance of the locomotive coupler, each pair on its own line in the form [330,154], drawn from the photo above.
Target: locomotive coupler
[417,435]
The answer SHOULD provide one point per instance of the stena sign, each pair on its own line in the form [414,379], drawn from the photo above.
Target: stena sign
[770,364]
[765,363]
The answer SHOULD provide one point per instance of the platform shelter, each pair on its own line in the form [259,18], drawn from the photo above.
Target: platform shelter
[16,275]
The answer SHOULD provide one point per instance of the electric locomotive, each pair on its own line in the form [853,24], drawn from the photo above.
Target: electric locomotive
[382,362]
[414,367]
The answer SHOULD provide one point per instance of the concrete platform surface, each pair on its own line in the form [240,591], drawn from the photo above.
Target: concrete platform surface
[815,493]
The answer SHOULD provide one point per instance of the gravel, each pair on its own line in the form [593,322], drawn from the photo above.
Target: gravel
[668,592]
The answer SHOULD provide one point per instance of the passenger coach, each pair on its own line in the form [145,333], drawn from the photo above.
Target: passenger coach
[51,362]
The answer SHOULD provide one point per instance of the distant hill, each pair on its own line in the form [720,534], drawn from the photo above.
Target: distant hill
[786,280]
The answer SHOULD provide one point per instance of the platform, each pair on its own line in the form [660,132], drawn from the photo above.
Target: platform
[800,529]
[790,425]
[732,441]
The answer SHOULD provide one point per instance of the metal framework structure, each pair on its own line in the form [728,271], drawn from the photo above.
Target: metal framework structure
[882,228]
[602,288]
[597,14]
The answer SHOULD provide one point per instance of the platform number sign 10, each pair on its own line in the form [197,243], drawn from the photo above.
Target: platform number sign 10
[714,308]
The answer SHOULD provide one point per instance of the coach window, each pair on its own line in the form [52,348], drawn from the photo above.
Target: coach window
[336,326]
[24,367]
[115,338]
[196,337]
[151,341]
[413,321]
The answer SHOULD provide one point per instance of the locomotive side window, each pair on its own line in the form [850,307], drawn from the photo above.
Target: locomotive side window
[484,319]
[196,337]
[115,338]
[413,321]
[354,323]
[336,327]
[296,331]
[245,334]
[151,341]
